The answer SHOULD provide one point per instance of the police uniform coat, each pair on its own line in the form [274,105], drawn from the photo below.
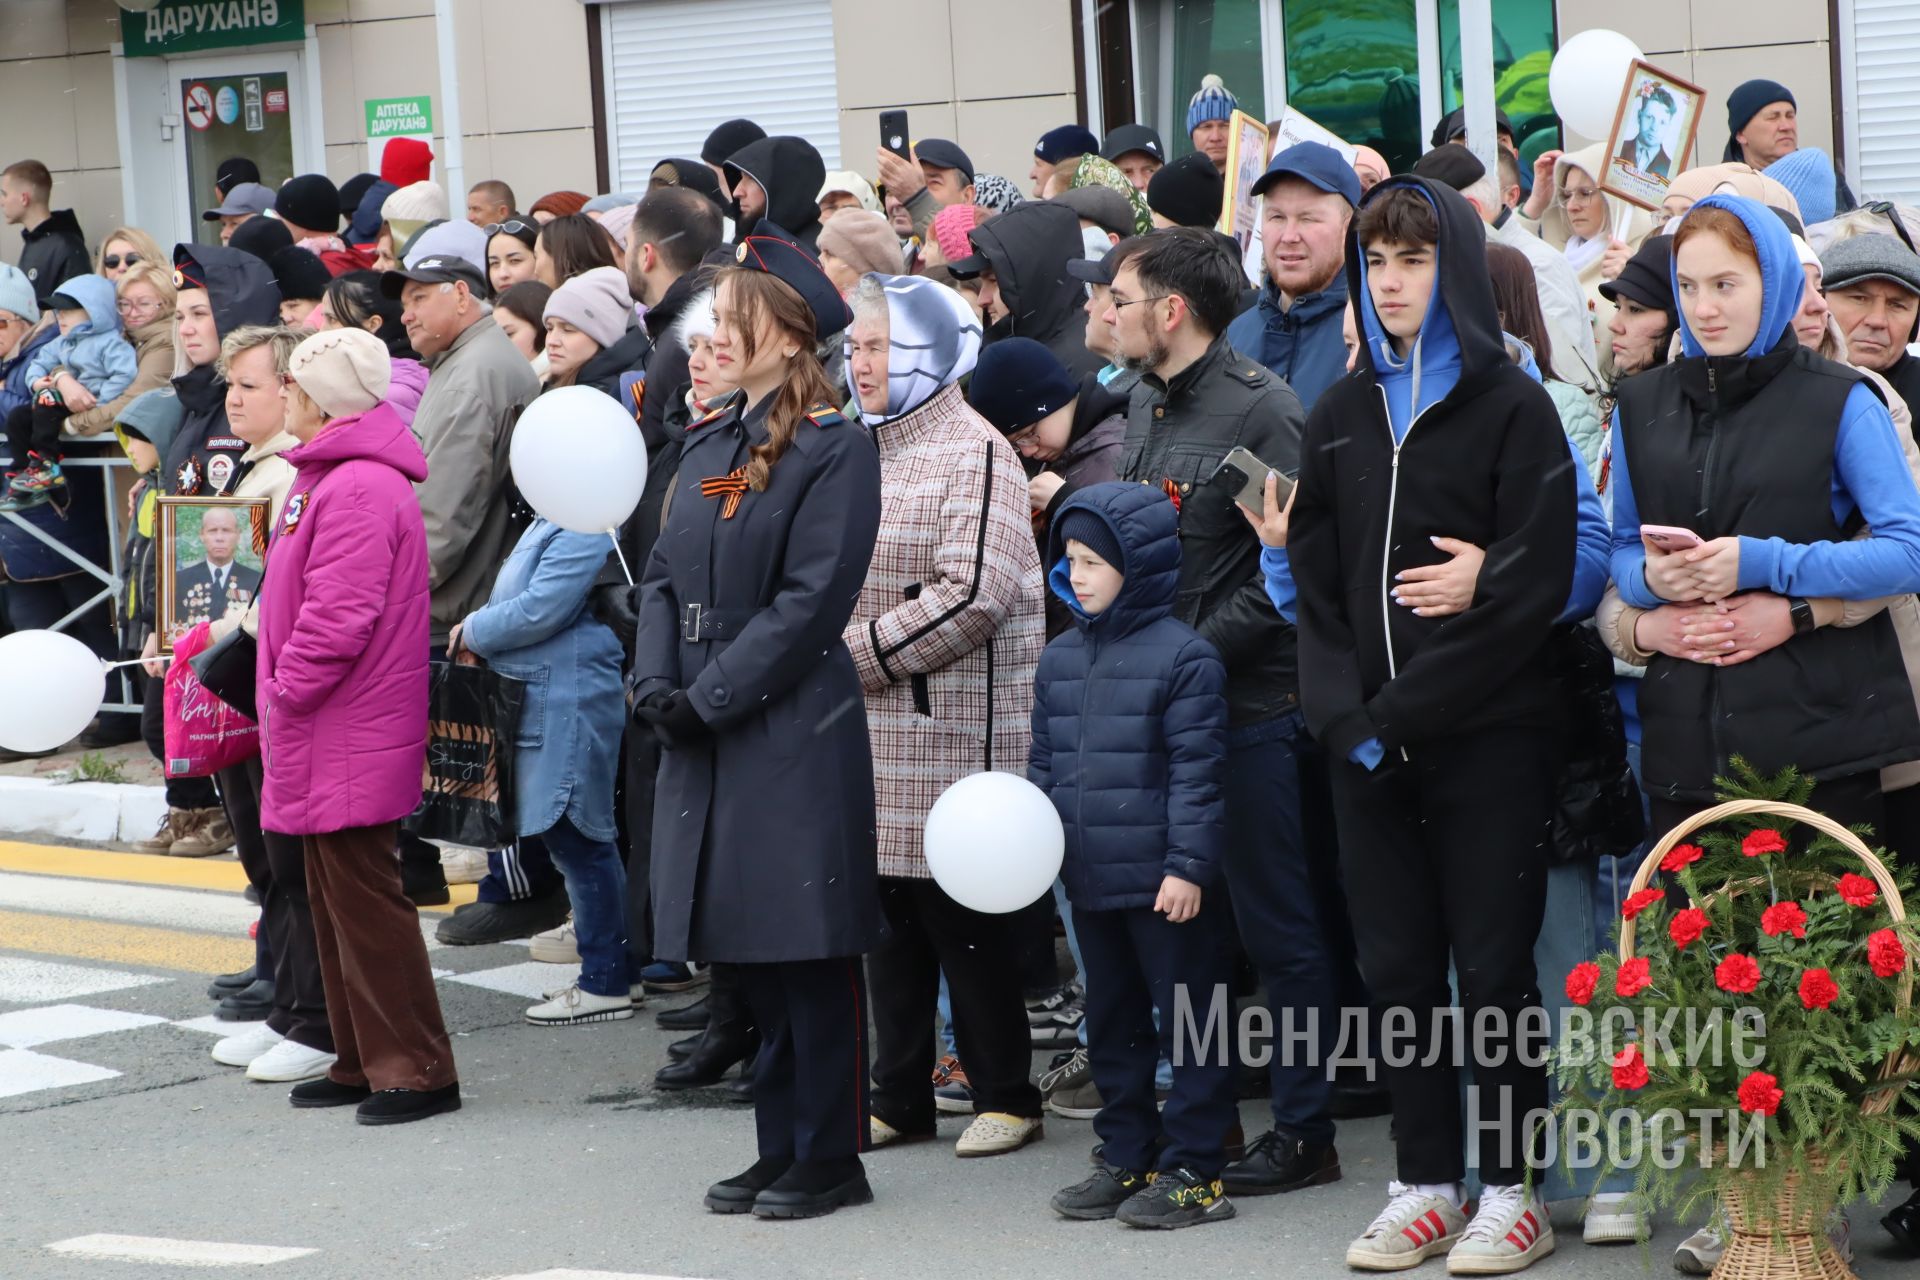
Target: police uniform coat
[764,847]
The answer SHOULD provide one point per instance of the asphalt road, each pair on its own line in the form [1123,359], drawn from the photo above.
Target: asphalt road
[564,1164]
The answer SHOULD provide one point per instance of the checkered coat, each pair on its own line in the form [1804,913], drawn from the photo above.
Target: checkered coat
[950,624]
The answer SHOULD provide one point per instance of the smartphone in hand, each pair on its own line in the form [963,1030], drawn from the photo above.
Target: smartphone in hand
[1249,478]
[893,133]
[1669,538]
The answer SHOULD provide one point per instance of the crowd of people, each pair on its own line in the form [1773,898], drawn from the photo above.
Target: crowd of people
[1360,601]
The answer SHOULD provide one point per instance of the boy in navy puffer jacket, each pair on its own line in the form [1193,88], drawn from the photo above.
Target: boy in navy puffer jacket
[1129,740]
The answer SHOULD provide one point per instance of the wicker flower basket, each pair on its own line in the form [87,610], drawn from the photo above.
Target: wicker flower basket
[1784,1239]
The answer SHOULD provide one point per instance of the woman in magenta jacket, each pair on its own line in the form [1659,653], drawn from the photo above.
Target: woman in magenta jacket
[342,691]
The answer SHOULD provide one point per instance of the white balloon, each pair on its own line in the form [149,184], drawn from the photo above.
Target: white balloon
[51,687]
[1587,77]
[579,459]
[994,842]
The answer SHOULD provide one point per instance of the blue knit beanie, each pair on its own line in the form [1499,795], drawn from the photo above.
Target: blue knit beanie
[1809,175]
[1213,102]
[1090,529]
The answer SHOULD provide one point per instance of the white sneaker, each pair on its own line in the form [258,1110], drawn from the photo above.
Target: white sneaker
[463,866]
[1412,1228]
[289,1061]
[555,946]
[1510,1232]
[1614,1217]
[995,1133]
[241,1049]
[573,1007]
[1700,1252]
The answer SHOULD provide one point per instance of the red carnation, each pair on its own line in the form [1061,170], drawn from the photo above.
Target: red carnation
[1818,989]
[1737,973]
[1885,953]
[1765,840]
[1581,981]
[1686,926]
[1858,891]
[1784,917]
[1682,855]
[1629,1069]
[1760,1093]
[1633,978]
[1639,902]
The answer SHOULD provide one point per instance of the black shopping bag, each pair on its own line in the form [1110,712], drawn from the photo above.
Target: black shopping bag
[473,716]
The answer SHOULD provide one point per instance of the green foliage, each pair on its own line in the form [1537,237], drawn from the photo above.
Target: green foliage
[95,767]
[1827,1061]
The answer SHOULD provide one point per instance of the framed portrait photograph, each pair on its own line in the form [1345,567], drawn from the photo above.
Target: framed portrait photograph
[210,553]
[1653,131]
[1246,161]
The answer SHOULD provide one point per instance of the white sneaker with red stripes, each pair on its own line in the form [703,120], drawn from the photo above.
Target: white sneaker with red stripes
[1413,1227]
[1510,1232]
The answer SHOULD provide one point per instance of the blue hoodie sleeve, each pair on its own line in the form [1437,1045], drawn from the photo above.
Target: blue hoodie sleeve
[1591,546]
[48,358]
[1280,589]
[1871,474]
[1629,553]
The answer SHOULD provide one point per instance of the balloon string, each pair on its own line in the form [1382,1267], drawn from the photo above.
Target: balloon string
[614,538]
[130,662]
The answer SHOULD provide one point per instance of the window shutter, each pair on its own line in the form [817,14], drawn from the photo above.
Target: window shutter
[1885,48]
[676,68]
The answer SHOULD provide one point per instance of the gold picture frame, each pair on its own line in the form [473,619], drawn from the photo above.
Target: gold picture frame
[1246,161]
[188,568]
[1661,113]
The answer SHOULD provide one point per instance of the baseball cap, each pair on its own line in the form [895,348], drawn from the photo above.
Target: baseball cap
[1315,163]
[1133,137]
[247,198]
[434,268]
[943,155]
[1088,271]
[1102,206]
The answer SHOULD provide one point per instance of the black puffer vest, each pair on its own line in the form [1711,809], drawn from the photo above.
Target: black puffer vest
[1744,447]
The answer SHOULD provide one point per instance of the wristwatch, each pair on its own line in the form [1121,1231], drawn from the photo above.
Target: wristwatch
[1801,611]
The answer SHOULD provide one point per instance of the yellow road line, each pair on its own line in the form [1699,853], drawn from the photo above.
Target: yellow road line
[126,944]
[146,868]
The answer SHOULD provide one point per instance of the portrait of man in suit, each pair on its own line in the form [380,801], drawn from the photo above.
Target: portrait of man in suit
[206,590]
[1646,150]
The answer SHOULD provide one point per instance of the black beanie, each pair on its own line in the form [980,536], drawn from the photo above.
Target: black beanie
[1017,382]
[1746,101]
[353,191]
[235,170]
[261,236]
[729,137]
[1090,530]
[300,273]
[310,201]
[1189,192]
[1452,166]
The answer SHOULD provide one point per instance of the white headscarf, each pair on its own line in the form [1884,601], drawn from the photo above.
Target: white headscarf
[933,341]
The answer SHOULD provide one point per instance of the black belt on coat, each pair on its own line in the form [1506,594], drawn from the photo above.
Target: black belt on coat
[700,623]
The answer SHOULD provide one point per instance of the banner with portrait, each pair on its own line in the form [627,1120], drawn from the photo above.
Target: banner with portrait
[1653,130]
[212,552]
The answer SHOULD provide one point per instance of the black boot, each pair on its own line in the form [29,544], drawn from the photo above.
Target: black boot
[691,1017]
[737,1194]
[740,1088]
[482,922]
[813,1189]
[1903,1224]
[728,1039]
[228,983]
[251,1003]
[1276,1162]
[679,1049]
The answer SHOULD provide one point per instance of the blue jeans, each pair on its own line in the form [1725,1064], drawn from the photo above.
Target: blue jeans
[1270,877]
[597,887]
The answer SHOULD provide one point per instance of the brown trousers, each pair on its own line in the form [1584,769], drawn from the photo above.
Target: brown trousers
[387,1028]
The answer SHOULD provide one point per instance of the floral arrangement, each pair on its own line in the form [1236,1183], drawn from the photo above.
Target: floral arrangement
[1768,984]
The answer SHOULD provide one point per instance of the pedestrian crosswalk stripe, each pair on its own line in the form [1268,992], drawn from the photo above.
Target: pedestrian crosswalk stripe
[531,979]
[128,903]
[26,1028]
[179,1253]
[24,981]
[123,943]
[24,1071]
[570,1273]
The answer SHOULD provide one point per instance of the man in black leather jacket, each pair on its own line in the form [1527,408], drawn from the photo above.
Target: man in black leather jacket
[1170,306]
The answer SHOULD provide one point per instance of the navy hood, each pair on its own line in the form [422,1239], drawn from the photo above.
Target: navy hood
[1782,280]
[1144,521]
[240,286]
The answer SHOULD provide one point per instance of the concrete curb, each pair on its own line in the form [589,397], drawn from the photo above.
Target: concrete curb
[93,812]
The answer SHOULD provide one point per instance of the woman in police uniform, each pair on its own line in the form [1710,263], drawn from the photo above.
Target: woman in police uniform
[764,849]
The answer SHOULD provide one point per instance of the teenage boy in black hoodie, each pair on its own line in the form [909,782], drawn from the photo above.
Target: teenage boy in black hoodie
[777,179]
[1440,731]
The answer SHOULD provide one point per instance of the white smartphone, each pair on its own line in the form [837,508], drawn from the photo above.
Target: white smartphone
[1249,476]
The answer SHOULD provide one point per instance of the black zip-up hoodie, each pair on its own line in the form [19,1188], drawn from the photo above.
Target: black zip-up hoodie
[1028,248]
[791,172]
[53,253]
[1487,463]
[204,457]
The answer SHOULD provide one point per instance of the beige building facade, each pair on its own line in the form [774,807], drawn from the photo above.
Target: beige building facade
[558,94]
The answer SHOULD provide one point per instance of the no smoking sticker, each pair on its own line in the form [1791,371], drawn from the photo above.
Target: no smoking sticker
[199,106]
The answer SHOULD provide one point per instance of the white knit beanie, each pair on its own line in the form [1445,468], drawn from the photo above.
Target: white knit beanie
[595,302]
[413,207]
[344,371]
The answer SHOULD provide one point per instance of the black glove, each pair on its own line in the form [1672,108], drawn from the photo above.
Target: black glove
[618,605]
[673,718]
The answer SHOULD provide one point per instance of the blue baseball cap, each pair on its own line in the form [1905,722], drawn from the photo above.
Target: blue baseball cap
[1064,143]
[1317,163]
